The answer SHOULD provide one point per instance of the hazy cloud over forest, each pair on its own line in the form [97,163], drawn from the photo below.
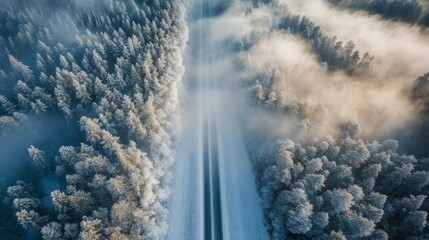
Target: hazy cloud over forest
[331,95]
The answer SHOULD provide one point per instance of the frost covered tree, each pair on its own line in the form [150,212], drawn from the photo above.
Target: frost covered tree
[336,54]
[322,187]
[331,52]
[347,187]
[105,84]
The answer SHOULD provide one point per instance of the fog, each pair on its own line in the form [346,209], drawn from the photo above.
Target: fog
[376,106]
[282,90]
[378,101]
[400,49]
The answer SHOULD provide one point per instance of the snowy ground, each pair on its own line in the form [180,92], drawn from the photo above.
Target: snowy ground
[214,193]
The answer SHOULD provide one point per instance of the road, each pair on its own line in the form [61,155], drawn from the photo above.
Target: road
[214,194]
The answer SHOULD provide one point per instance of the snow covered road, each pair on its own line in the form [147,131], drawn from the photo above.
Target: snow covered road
[214,193]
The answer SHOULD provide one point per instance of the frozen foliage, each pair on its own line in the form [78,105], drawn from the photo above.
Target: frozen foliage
[348,187]
[109,70]
[342,187]
[335,54]
[91,86]
[320,187]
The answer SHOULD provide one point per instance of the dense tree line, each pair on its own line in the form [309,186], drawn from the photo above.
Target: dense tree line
[335,54]
[344,189]
[409,11]
[110,69]
[339,187]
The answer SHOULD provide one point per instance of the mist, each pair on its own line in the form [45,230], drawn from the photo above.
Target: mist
[298,119]
[378,100]
[400,49]
[296,110]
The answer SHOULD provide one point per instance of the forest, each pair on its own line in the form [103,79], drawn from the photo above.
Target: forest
[92,85]
[331,97]
[326,178]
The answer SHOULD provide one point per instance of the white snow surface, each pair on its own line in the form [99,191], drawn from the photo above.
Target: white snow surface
[242,216]
[242,213]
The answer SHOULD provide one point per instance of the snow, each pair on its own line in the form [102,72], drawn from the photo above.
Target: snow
[242,216]
[186,208]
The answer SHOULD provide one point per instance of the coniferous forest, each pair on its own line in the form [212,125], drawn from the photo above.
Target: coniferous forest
[127,119]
